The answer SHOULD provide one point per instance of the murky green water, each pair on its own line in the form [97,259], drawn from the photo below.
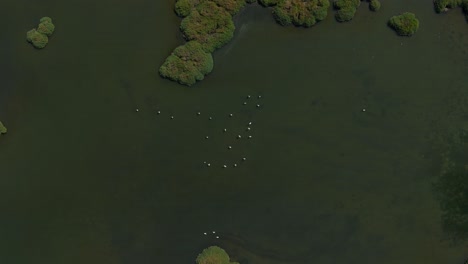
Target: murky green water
[87,179]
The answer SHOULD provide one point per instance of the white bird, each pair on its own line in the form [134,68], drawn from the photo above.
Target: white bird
[172,117]
[207,137]
[137,110]
[250,136]
[244,159]
[217,236]
[208,164]
[159,112]
[238,136]
[248,128]
[248,96]
[363,109]
[259,96]
[230,115]
[258,105]
[205,233]
[229,147]
[245,103]
[214,232]
[198,113]
[224,130]
[224,166]
[210,118]
[235,164]
[250,123]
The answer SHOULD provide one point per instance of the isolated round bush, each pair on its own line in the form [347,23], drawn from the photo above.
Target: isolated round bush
[374,5]
[38,40]
[405,24]
[214,255]
[188,64]
[208,24]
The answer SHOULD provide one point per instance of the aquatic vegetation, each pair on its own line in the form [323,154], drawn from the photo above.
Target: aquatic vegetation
[346,9]
[374,5]
[188,64]
[445,5]
[39,37]
[268,2]
[300,12]
[3,129]
[214,255]
[405,24]
[46,26]
[38,40]
[210,25]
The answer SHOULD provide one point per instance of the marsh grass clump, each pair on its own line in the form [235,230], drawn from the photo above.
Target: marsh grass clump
[188,64]
[208,24]
[40,37]
[3,129]
[300,12]
[405,24]
[214,255]
[346,9]
[374,5]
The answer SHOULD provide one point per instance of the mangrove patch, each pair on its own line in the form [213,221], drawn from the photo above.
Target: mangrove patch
[214,255]
[405,24]
[40,37]
[441,6]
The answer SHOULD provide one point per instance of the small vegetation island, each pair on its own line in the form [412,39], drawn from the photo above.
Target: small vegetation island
[3,129]
[405,24]
[214,255]
[445,5]
[207,25]
[40,37]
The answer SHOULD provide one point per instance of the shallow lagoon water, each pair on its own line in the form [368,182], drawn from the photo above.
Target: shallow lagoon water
[87,179]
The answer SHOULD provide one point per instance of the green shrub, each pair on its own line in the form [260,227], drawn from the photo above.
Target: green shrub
[345,14]
[210,25]
[300,12]
[251,1]
[38,40]
[214,255]
[184,7]
[232,6]
[444,5]
[46,27]
[188,64]
[3,129]
[374,5]
[346,9]
[405,24]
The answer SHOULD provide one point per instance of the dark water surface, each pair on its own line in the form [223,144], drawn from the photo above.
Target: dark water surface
[84,178]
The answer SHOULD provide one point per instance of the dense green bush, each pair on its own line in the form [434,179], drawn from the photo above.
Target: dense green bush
[300,12]
[214,255]
[46,26]
[374,5]
[188,64]
[444,5]
[210,25]
[405,24]
[232,6]
[38,40]
[346,9]
[184,7]
[3,129]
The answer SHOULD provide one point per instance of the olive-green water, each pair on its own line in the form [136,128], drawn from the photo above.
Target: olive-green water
[84,178]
